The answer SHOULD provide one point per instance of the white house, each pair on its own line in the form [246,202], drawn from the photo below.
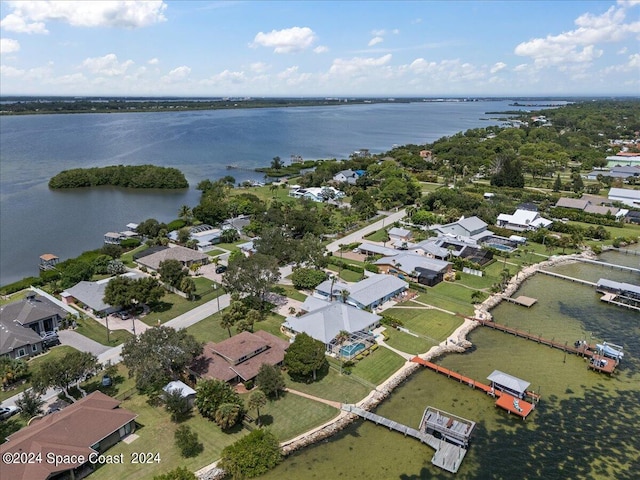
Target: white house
[347,176]
[522,220]
[317,194]
[626,196]
[472,227]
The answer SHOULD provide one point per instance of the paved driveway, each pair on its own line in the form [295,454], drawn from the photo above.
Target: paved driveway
[80,342]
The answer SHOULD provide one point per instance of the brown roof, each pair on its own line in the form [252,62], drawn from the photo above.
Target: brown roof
[222,360]
[572,203]
[601,210]
[48,256]
[71,431]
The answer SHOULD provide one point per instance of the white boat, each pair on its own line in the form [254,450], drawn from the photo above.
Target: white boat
[609,351]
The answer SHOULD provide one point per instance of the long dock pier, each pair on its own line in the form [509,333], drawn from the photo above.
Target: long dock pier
[448,456]
[610,265]
[504,400]
[566,277]
[626,251]
[583,350]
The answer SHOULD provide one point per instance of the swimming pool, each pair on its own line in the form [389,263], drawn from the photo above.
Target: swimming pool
[499,246]
[351,350]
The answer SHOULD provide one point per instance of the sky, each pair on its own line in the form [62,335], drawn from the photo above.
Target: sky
[320,48]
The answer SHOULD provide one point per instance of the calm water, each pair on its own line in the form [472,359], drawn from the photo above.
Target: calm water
[36,220]
[585,427]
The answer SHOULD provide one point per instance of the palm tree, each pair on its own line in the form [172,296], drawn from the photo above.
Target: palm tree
[227,321]
[476,296]
[341,338]
[344,295]
[227,414]
[188,286]
[185,213]
[256,400]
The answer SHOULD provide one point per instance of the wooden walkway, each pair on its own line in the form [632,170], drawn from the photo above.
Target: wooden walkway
[582,350]
[448,456]
[508,402]
[566,277]
[610,265]
[612,299]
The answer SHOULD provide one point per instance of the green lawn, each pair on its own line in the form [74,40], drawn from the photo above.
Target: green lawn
[172,305]
[378,365]
[34,363]
[209,329]
[332,386]
[430,323]
[215,252]
[450,297]
[408,343]
[230,246]
[292,415]
[346,275]
[90,328]
[127,258]
[292,293]
[378,236]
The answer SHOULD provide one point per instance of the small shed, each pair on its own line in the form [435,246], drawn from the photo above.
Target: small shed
[185,391]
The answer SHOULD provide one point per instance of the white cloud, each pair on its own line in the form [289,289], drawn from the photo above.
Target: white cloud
[107,65]
[9,71]
[153,61]
[357,65]
[378,33]
[592,29]
[16,23]
[29,17]
[289,40]
[497,67]
[523,67]
[321,49]
[8,45]
[177,74]
[375,41]
[259,67]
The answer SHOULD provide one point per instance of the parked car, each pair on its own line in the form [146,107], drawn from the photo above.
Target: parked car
[221,268]
[124,315]
[50,339]
[106,381]
[6,412]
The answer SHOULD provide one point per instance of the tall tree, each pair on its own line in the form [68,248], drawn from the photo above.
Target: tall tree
[257,400]
[158,355]
[305,356]
[253,275]
[342,337]
[270,380]
[30,403]
[276,163]
[211,394]
[64,372]
[172,272]
[227,415]
[251,456]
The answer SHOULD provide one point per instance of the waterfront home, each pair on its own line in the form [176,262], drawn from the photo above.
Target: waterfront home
[236,223]
[444,248]
[205,236]
[348,176]
[186,256]
[472,228]
[91,295]
[369,293]
[239,358]
[626,196]
[367,248]
[522,221]
[427,271]
[326,322]
[88,427]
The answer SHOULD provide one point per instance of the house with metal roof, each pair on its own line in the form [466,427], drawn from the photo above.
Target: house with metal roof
[325,323]
[347,176]
[626,196]
[399,234]
[374,249]
[86,428]
[426,270]
[204,235]
[522,221]
[472,227]
[368,293]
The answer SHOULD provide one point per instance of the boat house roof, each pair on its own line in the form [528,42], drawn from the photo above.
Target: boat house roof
[509,382]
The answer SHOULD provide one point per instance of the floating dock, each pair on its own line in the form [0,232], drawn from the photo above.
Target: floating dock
[446,433]
[505,399]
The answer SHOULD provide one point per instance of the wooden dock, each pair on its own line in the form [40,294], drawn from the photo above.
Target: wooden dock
[625,251]
[447,456]
[609,265]
[521,300]
[566,277]
[612,299]
[508,402]
[603,364]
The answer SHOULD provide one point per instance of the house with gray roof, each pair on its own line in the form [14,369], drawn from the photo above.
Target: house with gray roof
[346,176]
[626,196]
[522,221]
[91,294]
[399,234]
[204,235]
[576,203]
[428,271]
[472,227]
[373,249]
[368,293]
[184,255]
[325,323]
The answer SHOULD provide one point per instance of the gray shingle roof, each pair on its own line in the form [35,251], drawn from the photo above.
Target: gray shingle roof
[31,310]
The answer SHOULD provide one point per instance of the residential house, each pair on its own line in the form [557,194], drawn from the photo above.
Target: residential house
[591,204]
[237,223]
[623,172]
[428,271]
[17,341]
[239,358]
[522,221]
[444,248]
[326,322]
[427,155]
[248,248]
[186,392]
[399,235]
[184,255]
[576,203]
[472,227]
[317,194]
[632,216]
[347,176]
[375,249]
[368,293]
[626,196]
[204,235]
[91,294]
[35,312]
[86,428]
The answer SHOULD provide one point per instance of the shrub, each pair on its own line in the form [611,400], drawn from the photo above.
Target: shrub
[307,278]
[252,455]
[187,441]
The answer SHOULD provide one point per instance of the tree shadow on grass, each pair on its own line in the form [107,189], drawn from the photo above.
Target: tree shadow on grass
[265,420]
[162,307]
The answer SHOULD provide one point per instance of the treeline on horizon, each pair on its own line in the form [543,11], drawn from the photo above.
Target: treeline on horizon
[127,176]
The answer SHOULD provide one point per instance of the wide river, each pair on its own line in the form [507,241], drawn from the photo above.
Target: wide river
[36,220]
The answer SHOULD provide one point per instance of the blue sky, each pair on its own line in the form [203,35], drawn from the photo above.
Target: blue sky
[323,48]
